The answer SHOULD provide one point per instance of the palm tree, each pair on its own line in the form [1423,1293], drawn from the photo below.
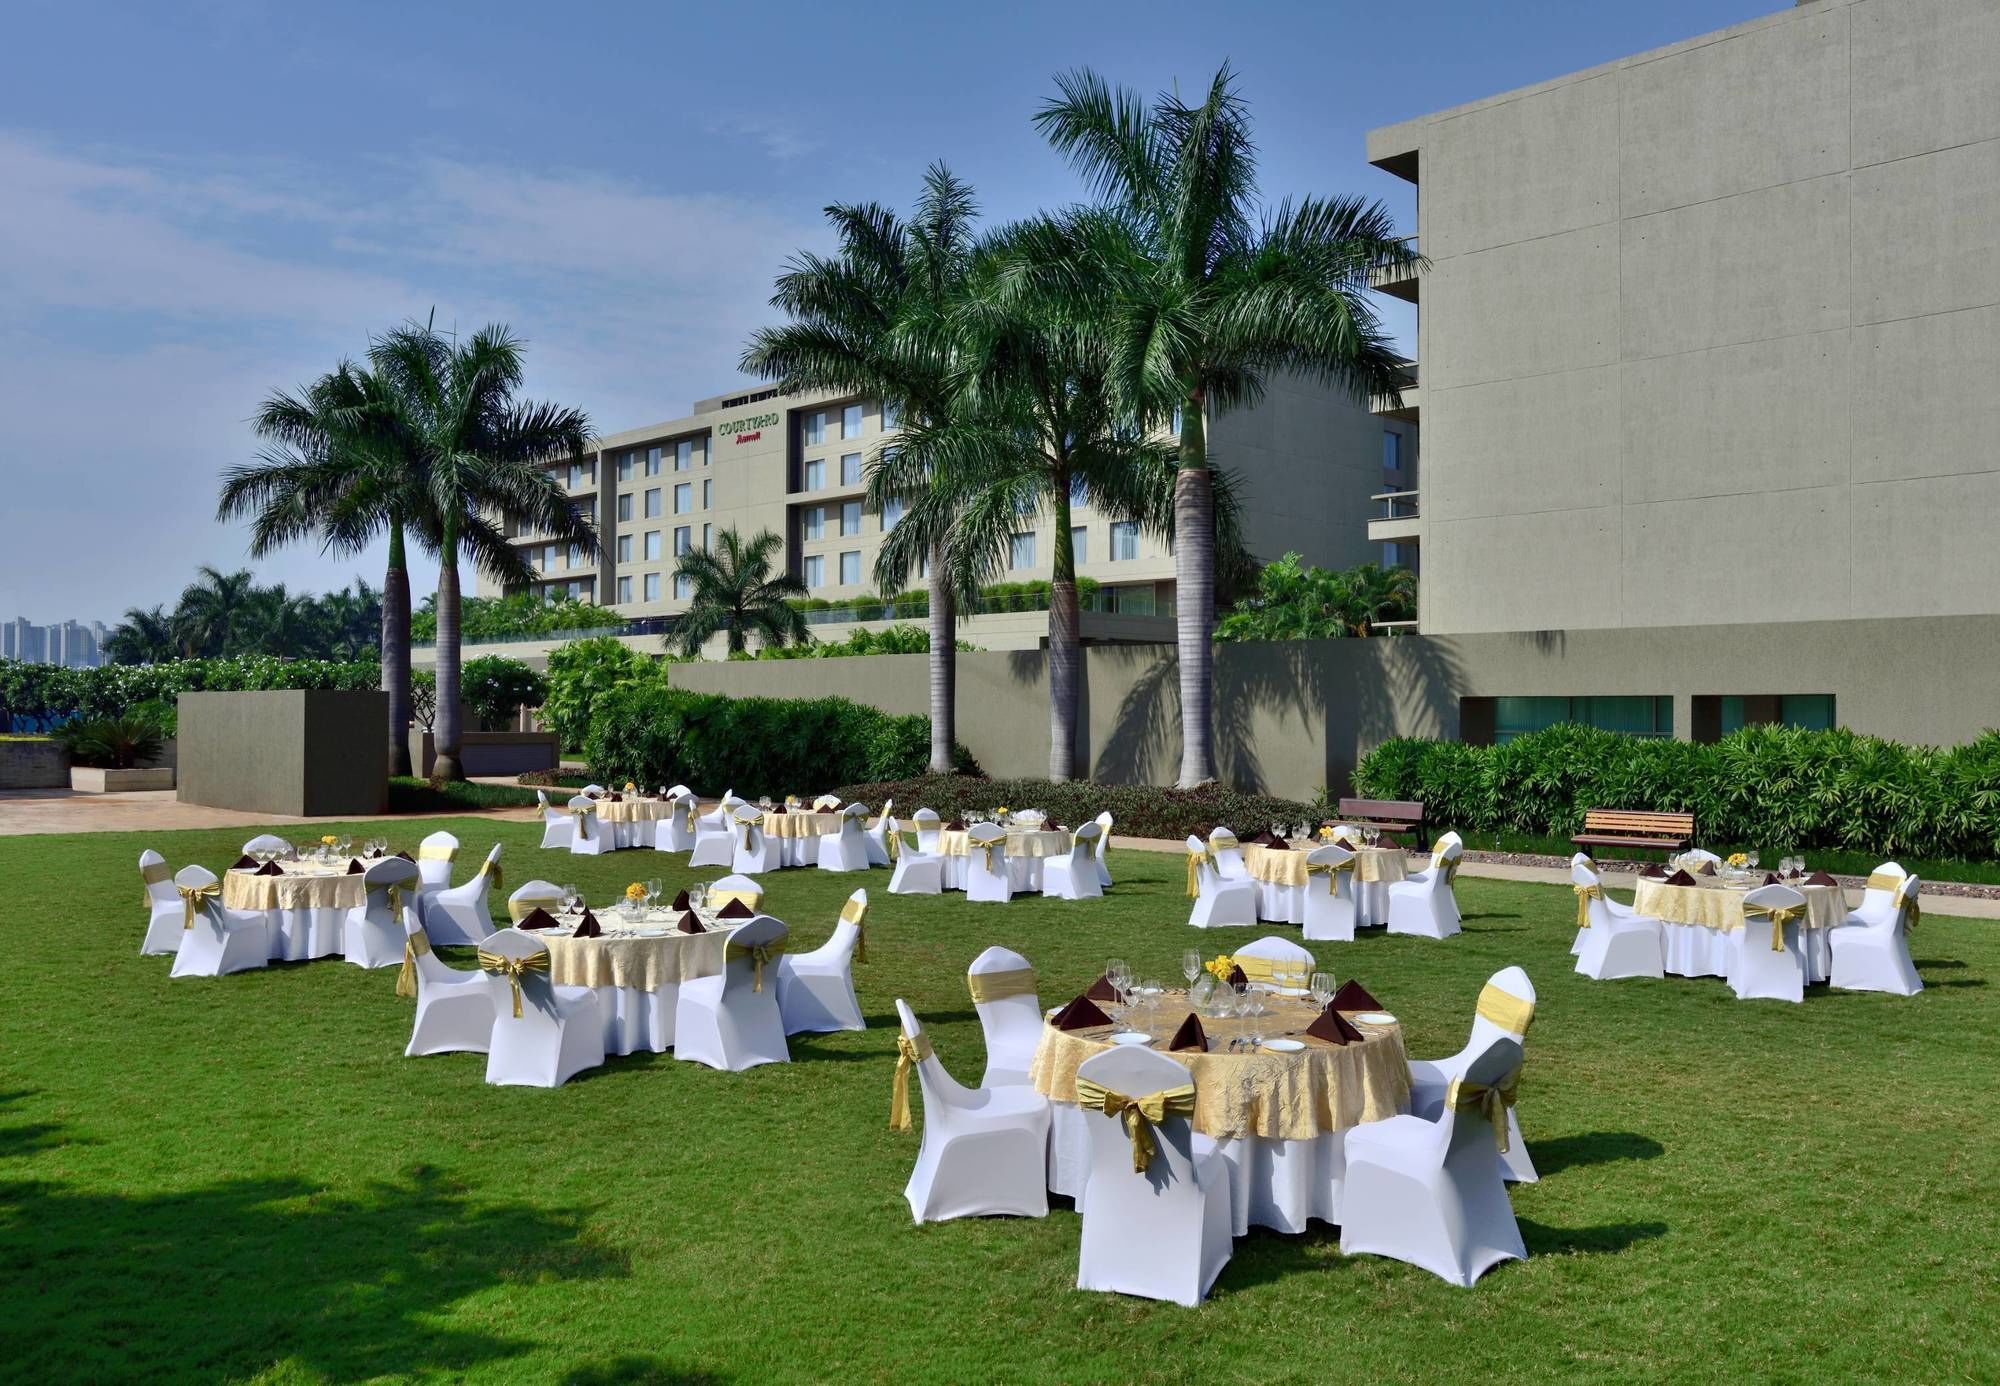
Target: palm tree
[1377,594]
[876,318]
[214,610]
[483,458]
[1205,299]
[734,590]
[145,636]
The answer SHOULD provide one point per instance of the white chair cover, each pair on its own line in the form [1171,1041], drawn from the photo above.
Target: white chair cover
[987,880]
[374,933]
[558,1033]
[715,833]
[917,873]
[756,851]
[454,1008]
[1002,984]
[928,826]
[1075,877]
[1424,905]
[816,989]
[676,832]
[1330,901]
[1871,948]
[1278,965]
[435,855]
[731,1020]
[163,906]
[846,848]
[1505,1009]
[590,838]
[461,913]
[558,828]
[878,836]
[269,842]
[1228,854]
[1218,904]
[1617,944]
[1758,972]
[983,1149]
[219,941]
[1103,846]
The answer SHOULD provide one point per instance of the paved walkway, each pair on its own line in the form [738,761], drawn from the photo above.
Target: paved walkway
[25,811]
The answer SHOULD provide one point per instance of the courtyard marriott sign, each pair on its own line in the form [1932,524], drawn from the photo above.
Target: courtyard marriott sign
[751,429]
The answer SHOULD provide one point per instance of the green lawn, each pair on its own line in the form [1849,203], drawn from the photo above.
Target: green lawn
[219,1180]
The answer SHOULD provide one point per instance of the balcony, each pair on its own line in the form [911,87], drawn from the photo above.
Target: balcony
[1399,521]
[1398,281]
[1406,406]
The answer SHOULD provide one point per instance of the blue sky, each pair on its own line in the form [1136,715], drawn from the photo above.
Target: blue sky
[204,201]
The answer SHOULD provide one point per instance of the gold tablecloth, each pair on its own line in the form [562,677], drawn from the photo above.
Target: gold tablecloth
[304,886]
[1715,903]
[643,963]
[1275,865]
[801,824]
[630,810]
[1292,1097]
[1023,843]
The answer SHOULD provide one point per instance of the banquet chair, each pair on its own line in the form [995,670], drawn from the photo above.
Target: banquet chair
[461,914]
[219,940]
[1871,947]
[269,842]
[1103,845]
[558,828]
[530,896]
[590,838]
[592,789]
[1620,911]
[847,848]
[731,1021]
[1161,1232]
[918,872]
[1699,855]
[878,836]
[1228,854]
[1428,1190]
[816,989]
[723,889]
[1505,1009]
[1074,877]
[1275,964]
[1446,853]
[1425,906]
[676,832]
[1218,904]
[756,851]
[928,826]
[1002,984]
[163,903]
[542,1034]
[1618,943]
[375,930]
[1330,912]
[987,880]
[454,1007]
[435,854]
[1757,971]
[984,1150]
[715,833]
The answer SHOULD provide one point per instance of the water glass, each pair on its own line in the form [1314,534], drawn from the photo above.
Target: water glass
[1191,964]
[1322,989]
[571,898]
[1751,857]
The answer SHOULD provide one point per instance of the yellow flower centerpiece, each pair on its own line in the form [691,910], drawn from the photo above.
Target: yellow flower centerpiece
[1326,832]
[1220,966]
[328,840]
[1739,860]
[631,788]
[635,892]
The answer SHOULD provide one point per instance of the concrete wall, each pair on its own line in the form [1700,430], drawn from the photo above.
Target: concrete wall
[307,752]
[33,765]
[1292,716]
[1710,333]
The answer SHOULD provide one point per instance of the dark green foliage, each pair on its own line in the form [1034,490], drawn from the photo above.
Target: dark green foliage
[1781,788]
[112,743]
[33,691]
[494,686]
[655,735]
[1137,810]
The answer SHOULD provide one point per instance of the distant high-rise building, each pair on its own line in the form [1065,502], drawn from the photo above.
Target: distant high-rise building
[72,644]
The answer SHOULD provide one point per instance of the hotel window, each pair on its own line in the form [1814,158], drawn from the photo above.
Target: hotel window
[683,498]
[624,548]
[1021,553]
[850,517]
[625,467]
[683,455]
[653,503]
[815,429]
[892,417]
[1124,540]
[625,506]
[892,511]
[850,469]
[652,587]
[652,546]
[683,587]
[706,502]
[813,521]
[575,475]
[706,530]
[624,589]
[850,567]
[652,461]
[850,421]
[815,474]
[575,556]
[549,559]
[813,570]
[1079,543]
[1645,716]
[683,539]
[1079,494]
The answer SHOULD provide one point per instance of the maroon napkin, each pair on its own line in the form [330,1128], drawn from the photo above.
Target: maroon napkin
[681,902]
[1102,990]
[1653,871]
[1680,878]
[354,867]
[688,924]
[1081,1014]
[957,825]
[269,868]
[1190,1036]
[407,857]
[1771,878]
[1237,979]
[1708,868]
[538,918]
[246,862]
[588,927]
[735,909]
[1352,996]
[1332,1027]
[616,798]
[374,852]
[1820,878]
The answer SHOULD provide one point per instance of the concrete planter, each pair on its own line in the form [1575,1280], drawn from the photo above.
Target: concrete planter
[86,779]
[488,752]
[35,763]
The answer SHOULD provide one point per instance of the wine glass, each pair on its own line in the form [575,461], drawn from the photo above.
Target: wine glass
[570,899]
[652,891]
[1322,989]
[1751,857]
[697,896]
[1191,965]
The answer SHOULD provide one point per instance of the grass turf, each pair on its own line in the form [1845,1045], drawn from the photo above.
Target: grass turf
[244,1178]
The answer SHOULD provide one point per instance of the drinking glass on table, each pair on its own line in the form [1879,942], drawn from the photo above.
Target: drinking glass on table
[1751,857]
[1322,989]
[652,891]
[1191,965]
[570,899]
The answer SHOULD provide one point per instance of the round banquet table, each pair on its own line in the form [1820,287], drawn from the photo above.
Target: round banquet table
[1698,922]
[1280,874]
[305,909]
[636,968]
[797,833]
[630,821]
[1280,1120]
[1026,849]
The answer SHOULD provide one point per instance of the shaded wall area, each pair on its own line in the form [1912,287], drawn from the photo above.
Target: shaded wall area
[304,752]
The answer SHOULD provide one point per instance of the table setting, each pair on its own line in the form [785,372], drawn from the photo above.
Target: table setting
[303,892]
[796,828]
[1698,900]
[1279,869]
[1032,838]
[627,817]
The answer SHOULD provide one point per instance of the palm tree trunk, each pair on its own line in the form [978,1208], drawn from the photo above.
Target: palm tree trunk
[396,651]
[1065,639]
[944,667]
[446,766]
[1194,594]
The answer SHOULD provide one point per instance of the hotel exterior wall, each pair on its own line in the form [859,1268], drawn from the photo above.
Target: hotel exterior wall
[1710,332]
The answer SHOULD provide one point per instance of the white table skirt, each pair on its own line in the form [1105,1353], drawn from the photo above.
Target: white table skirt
[1371,903]
[1281,904]
[797,851]
[1694,951]
[1025,874]
[297,935]
[637,1021]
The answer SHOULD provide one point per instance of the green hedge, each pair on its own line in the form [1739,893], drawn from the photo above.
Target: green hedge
[1776,788]
[47,692]
[655,735]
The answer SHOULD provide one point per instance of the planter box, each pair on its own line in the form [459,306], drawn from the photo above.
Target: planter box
[307,753]
[85,780]
[33,764]
[489,753]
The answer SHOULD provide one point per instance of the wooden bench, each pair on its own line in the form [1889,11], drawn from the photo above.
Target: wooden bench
[1631,828]
[1392,816]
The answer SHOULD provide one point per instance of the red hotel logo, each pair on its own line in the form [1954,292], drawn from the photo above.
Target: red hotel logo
[749,437]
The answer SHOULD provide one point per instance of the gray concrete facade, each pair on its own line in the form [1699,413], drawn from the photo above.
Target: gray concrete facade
[1711,334]
[307,753]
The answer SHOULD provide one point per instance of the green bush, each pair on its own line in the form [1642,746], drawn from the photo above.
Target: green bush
[654,735]
[1136,810]
[1782,788]
[46,692]
[493,686]
[112,743]
[580,673]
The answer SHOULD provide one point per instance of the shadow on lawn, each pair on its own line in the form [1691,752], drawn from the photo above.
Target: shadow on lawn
[640,1371]
[1611,1236]
[1594,1148]
[248,1273]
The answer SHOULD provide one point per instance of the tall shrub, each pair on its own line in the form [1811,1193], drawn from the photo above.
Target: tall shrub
[580,673]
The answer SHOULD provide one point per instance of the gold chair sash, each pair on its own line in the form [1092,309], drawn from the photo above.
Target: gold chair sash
[693,813]
[1331,870]
[415,945]
[1504,1009]
[750,898]
[1138,1113]
[1219,842]
[491,871]
[1448,869]
[1490,1102]
[856,913]
[909,1053]
[998,986]
[997,844]
[892,843]
[151,874]
[1911,914]
[580,814]
[521,906]
[1886,880]
[437,852]
[192,898]
[1196,857]
[759,954]
[1267,970]
[1584,895]
[513,969]
[1779,915]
